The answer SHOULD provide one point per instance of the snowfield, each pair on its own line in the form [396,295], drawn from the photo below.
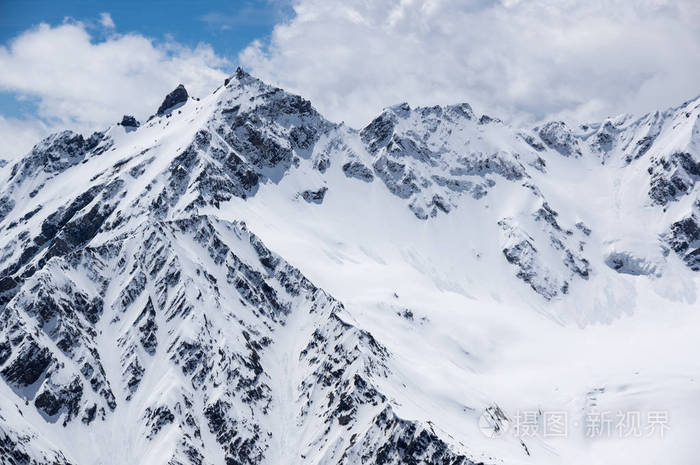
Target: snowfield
[238,280]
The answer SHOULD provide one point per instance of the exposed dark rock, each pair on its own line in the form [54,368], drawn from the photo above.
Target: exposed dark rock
[56,153]
[355,169]
[158,418]
[176,98]
[581,226]
[684,238]
[673,177]
[547,214]
[403,442]
[6,206]
[532,142]
[523,255]
[605,138]
[148,328]
[485,119]
[378,133]
[521,252]
[400,180]
[643,145]
[15,450]
[29,364]
[64,399]
[129,121]
[479,164]
[316,196]
[134,374]
[558,136]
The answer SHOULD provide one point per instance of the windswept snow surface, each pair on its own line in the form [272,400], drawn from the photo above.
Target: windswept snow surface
[240,281]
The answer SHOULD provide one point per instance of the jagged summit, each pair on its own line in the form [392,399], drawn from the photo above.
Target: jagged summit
[240,75]
[177,97]
[128,121]
[247,282]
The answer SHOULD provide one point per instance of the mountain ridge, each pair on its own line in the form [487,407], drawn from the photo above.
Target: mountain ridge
[135,292]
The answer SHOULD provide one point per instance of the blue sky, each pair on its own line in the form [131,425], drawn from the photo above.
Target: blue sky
[227,25]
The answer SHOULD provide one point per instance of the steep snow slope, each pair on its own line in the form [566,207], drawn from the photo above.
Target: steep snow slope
[238,280]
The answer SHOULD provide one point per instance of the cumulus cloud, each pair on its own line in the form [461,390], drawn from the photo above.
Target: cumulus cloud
[19,135]
[107,21]
[575,59]
[84,84]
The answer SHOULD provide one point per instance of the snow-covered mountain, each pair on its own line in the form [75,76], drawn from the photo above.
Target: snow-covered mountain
[239,281]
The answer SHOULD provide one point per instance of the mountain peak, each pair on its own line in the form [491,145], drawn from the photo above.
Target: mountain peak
[138,305]
[176,97]
[240,73]
[128,121]
[242,77]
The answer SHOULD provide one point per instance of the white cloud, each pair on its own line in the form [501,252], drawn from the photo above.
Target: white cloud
[107,21]
[538,58]
[19,135]
[84,84]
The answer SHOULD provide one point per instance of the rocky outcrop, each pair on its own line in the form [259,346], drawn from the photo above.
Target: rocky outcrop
[177,97]
[129,121]
[559,137]
[57,153]
[684,238]
[314,196]
[355,169]
[418,160]
[673,177]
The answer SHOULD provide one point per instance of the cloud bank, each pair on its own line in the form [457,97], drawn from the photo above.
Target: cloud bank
[85,84]
[582,59]
[525,60]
